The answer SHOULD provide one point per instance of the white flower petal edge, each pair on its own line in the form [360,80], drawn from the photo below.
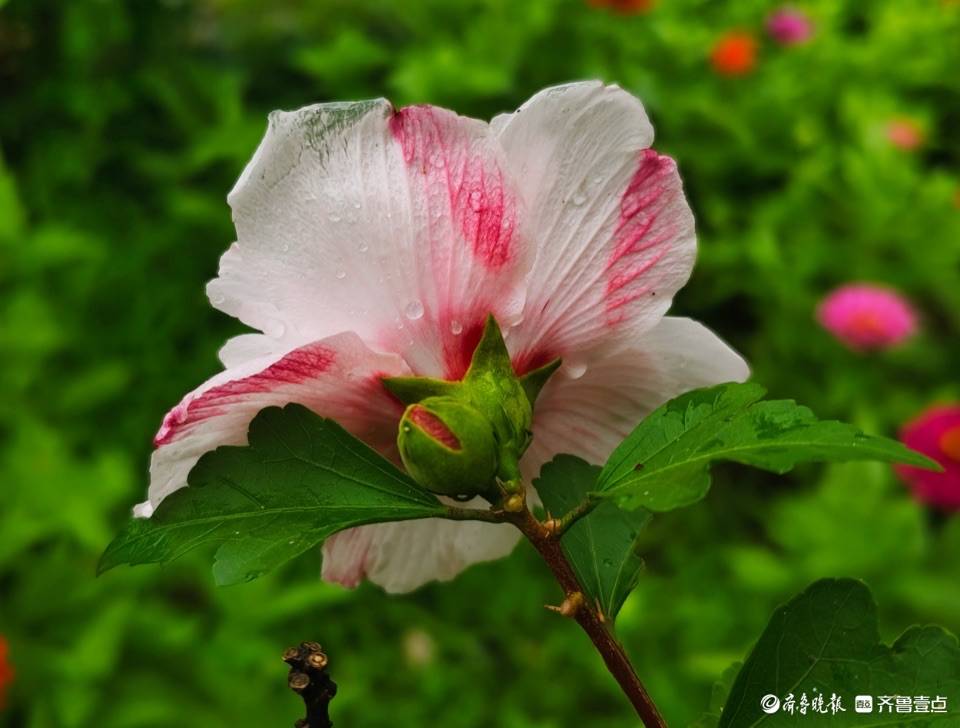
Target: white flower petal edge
[613,233]
[403,556]
[399,225]
[337,377]
[590,416]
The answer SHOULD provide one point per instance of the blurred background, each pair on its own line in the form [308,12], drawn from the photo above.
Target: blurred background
[812,157]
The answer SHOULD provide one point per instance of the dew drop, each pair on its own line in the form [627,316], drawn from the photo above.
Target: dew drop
[575,369]
[356,205]
[414,310]
[456,328]
[217,298]
[334,217]
[274,329]
[578,199]
[341,274]
[364,247]
[285,247]
[476,200]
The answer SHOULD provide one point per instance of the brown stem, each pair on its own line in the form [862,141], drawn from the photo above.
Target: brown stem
[308,677]
[589,618]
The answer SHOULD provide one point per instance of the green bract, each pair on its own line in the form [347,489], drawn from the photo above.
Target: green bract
[448,447]
[491,392]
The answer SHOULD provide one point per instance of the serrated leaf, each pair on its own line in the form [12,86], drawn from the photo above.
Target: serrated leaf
[301,479]
[601,546]
[826,642]
[665,462]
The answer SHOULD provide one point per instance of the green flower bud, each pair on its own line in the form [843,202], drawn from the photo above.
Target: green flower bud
[448,447]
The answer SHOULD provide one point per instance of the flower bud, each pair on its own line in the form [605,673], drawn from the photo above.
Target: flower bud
[448,447]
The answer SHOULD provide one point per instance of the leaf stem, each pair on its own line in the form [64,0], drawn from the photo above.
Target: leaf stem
[455,513]
[559,526]
[590,619]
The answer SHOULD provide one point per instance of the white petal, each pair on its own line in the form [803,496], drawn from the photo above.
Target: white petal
[590,416]
[403,556]
[613,231]
[337,377]
[398,225]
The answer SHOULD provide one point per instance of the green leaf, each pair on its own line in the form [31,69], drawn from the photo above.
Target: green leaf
[665,462]
[718,697]
[301,479]
[826,642]
[601,546]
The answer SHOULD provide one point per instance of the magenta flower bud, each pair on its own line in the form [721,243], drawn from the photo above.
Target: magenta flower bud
[936,434]
[867,317]
[789,26]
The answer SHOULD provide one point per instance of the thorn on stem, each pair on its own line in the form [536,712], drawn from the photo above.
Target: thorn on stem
[570,606]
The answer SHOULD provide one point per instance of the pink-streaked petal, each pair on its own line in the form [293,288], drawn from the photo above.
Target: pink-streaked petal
[403,556]
[400,225]
[336,377]
[614,235]
[591,415]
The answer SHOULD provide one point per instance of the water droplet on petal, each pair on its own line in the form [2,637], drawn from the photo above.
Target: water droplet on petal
[575,369]
[364,247]
[414,310]
[356,205]
[578,199]
[333,217]
[285,247]
[341,274]
[274,329]
[217,298]
[456,328]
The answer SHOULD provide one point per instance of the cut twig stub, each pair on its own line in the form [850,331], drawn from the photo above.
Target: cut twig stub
[308,678]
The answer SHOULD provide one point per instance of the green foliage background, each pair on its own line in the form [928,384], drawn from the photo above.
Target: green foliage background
[123,125]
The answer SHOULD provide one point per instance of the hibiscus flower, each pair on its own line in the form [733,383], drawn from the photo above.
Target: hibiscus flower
[374,242]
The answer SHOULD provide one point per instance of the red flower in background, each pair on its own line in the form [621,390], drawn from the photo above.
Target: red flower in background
[935,433]
[904,133]
[627,7]
[6,670]
[734,54]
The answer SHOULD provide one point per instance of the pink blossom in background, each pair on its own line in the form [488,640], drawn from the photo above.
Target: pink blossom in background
[904,133]
[867,317]
[936,434]
[6,670]
[789,26]
[374,241]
